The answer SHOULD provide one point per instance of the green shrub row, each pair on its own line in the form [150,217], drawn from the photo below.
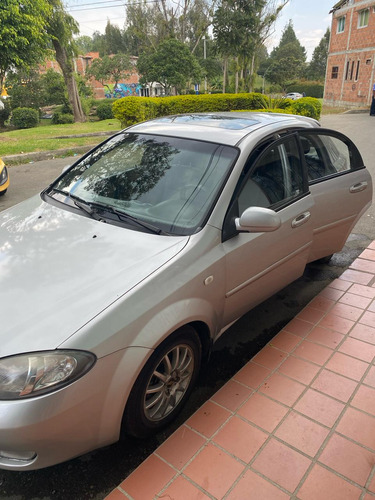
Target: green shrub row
[130,110]
[310,89]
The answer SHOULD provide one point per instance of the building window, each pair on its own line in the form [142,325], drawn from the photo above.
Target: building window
[347,72]
[357,72]
[363,16]
[368,62]
[341,24]
[335,72]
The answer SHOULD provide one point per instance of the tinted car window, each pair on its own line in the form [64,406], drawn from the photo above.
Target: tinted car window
[275,178]
[325,155]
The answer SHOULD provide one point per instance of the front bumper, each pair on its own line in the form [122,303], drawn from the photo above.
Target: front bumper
[72,421]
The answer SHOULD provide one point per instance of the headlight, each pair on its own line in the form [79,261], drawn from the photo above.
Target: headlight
[29,375]
[3,176]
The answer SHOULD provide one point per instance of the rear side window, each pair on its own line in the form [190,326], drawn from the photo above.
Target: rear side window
[328,155]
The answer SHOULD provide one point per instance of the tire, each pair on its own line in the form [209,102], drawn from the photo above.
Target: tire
[164,384]
[3,192]
[324,260]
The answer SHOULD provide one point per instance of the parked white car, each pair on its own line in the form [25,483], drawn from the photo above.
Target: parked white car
[117,279]
[293,95]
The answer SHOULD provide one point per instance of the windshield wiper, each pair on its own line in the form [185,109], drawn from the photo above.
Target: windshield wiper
[93,209]
[86,207]
[124,216]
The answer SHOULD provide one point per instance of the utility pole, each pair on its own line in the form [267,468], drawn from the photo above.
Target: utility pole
[205,57]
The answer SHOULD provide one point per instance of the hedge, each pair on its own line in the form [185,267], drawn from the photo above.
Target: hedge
[130,110]
[311,89]
[104,111]
[59,118]
[25,117]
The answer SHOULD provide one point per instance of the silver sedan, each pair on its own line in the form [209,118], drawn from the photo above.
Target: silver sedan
[117,279]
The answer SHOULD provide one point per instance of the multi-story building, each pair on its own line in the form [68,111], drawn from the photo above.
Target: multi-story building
[351,59]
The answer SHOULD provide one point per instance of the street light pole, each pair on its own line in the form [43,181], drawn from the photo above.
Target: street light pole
[205,57]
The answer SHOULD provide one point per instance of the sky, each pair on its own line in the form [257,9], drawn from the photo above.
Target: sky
[310,19]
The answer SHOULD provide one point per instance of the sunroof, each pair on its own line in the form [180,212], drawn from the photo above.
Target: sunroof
[226,122]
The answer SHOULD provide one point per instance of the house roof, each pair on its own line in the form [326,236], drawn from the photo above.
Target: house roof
[338,5]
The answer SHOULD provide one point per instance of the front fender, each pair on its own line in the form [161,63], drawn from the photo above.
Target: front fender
[173,317]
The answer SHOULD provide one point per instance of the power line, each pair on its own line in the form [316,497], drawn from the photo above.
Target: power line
[121,4]
[92,3]
[97,8]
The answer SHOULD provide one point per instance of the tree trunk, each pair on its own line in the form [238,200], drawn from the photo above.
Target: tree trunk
[236,84]
[225,74]
[70,82]
[252,74]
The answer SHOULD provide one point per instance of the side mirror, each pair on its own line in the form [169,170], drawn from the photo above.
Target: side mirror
[258,220]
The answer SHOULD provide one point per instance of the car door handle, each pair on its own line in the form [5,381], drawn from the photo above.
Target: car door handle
[357,188]
[301,219]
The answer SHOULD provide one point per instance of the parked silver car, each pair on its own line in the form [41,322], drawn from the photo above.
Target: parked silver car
[118,278]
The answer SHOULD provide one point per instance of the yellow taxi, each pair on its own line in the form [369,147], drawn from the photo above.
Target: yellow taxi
[4,178]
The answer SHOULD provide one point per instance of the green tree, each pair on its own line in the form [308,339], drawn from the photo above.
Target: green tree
[111,69]
[317,67]
[24,88]
[84,44]
[61,28]
[114,41]
[98,43]
[23,37]
[53,89]
[172,65]
[148,24]
[241,28]
[287,61]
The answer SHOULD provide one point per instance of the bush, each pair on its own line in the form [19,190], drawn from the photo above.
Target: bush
[130,110]
[311,89]
[60,118]
[307,106]
[104,111]
[25,117]
[274,110]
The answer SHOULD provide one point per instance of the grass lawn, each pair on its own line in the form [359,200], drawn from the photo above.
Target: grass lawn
[45,137]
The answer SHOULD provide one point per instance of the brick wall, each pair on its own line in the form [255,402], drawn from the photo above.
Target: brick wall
[351,60]
[81,63]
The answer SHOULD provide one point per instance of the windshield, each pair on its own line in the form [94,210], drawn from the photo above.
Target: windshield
[168,182]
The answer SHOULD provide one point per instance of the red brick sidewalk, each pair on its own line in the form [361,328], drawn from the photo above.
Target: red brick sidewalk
[298,421]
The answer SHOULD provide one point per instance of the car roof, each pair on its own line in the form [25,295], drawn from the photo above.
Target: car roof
[224,127]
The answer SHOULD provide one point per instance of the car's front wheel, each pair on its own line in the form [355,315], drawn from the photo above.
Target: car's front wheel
[164,384]
[3,192]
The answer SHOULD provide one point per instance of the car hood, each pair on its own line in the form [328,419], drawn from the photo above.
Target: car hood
[59,269]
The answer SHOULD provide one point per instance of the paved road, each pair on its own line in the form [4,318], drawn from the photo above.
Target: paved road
[94,475]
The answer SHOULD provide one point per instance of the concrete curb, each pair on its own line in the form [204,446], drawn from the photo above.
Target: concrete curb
[44,155]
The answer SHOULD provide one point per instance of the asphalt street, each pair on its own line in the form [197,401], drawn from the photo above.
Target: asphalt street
[94,475]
